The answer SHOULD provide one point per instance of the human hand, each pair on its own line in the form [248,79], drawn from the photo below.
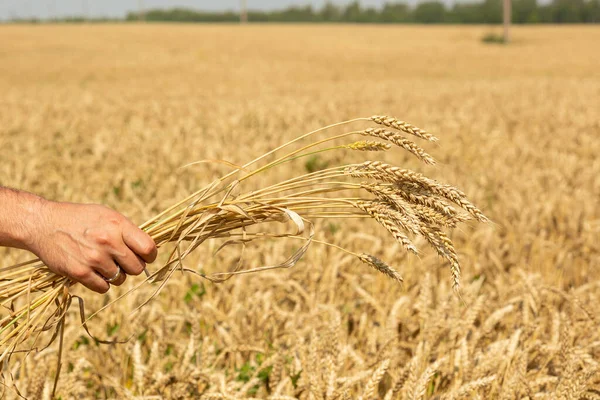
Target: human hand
[88,243]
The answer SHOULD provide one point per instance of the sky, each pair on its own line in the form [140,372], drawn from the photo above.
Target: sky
[118,8]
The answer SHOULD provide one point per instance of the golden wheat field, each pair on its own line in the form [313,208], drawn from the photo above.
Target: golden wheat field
[109,113]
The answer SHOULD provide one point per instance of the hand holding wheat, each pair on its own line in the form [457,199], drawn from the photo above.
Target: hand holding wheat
[404,202]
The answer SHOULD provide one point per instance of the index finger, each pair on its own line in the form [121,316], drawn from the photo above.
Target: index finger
[139,242]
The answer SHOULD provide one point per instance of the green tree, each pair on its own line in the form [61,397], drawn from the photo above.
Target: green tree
[524,11]
[591,12]
[567,11]
[430,12]
[491,11]
[466,13]
[395,12]
[352,13]
[370,15]
[330,12]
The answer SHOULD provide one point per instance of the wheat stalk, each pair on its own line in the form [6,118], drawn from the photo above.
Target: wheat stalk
[405,203]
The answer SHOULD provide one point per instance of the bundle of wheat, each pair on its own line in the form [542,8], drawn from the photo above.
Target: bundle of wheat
[404,202]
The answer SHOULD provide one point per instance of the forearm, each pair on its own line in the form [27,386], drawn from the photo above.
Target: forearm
[85,242]
[20,212]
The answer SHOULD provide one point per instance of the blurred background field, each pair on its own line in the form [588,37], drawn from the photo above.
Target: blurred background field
[108,113]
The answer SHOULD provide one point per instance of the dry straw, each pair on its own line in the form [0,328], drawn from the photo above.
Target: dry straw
[404,202]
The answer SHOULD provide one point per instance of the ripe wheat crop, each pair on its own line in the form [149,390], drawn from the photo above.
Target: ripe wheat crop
[404,202]
[110,114]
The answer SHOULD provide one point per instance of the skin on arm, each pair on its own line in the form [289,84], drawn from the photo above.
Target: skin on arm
[85,242]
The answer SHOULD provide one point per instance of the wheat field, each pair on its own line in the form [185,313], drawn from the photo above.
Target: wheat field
[109,113]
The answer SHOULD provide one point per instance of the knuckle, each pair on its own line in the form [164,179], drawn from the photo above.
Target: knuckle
[94,257]
[113,223]
[79,274]
[115,219]
[103,238]
[110,216]
[148,247]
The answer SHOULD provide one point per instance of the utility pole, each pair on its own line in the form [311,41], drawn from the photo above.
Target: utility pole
[507,17]
[243,12]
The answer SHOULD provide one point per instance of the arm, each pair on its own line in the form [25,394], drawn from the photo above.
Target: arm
[85,242]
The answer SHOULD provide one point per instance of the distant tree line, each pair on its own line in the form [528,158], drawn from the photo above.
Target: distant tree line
[426,12]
